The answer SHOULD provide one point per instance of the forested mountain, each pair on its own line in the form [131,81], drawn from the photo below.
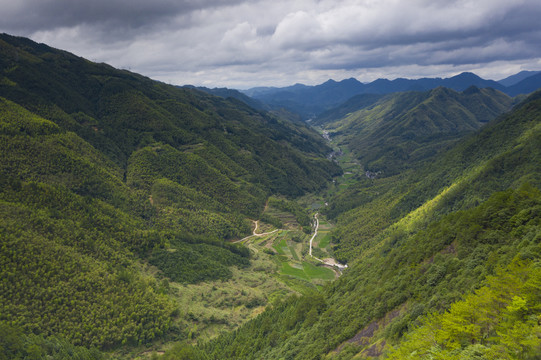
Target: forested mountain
[106,175]
[120,194]
[232,93]
[353,104]
[312,101]
[397,131]
[462,233]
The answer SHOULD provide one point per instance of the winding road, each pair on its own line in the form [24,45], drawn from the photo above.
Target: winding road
[329,261]
[314,236]
[256,234]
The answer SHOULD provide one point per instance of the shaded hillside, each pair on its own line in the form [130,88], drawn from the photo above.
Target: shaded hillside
[525,86]
[516,78]
[353,104]
[119,112]
[235,94]
[481,215]
[401,130]
[104,172]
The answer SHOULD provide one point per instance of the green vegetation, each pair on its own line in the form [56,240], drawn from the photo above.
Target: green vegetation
[324,241]
[216,307]
[115,189]
[407,271]
[15,344]
[318,272]
[420,242]
[299,272]
[289,248]
[300,214]
[120,198]
[399,131]
[498,321]
[67,269]
[307,271]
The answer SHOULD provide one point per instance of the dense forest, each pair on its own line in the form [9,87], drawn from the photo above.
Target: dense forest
[106,174]
[121,199]
[424,248]
[398,131]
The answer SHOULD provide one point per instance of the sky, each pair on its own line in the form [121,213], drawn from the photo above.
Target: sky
[247,43]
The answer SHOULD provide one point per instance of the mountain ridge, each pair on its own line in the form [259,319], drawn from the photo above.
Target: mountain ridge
[389,133]
[119,195]
[311,101]
[515,78]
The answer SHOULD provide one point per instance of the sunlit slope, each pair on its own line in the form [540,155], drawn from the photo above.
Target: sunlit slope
[401,130]
[477,211]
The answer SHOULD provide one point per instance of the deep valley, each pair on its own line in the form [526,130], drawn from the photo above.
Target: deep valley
[141,220]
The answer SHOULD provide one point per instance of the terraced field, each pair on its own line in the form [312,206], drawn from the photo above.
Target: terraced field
[288,249]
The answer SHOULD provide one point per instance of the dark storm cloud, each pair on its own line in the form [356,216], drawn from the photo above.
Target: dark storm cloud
[36,15]
[243,43]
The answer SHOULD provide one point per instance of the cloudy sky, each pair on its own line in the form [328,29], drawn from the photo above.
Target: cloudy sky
[246,43]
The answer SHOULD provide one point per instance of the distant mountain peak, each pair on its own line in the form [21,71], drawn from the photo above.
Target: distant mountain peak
[330,81]
[466,75]
[350,80]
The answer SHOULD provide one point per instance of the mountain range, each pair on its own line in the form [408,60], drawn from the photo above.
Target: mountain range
[125,203]
[311,101]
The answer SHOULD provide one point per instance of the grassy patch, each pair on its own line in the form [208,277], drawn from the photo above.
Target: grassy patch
[318,272]
[307,271]
[283,249]
[287,269]
[294,253]
[280,247]
[325,241]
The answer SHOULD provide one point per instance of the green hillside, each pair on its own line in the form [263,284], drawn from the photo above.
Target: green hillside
[421,245]
[392,133]
[116,190]
[355,103]
[121,200]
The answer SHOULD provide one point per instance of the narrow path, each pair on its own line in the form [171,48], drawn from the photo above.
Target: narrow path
[314,236]
[256,222]
[255,228]
[330,261]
